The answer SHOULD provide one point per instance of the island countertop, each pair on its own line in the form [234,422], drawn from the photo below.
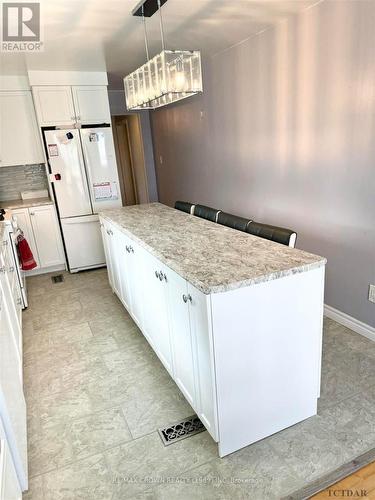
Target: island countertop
[211,257]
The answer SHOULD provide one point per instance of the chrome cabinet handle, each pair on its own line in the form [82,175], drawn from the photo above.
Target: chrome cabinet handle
[165,277]
[187,297]
[161,277]
[11,269]
[131,249]
[32,213]
[107,231]
[127,249]
[2,270]
[157,275]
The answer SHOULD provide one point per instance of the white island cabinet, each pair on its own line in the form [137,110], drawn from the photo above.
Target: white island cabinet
[13,438]
[236,320]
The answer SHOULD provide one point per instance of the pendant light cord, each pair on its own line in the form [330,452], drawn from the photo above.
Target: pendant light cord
[145,32]
[161,26]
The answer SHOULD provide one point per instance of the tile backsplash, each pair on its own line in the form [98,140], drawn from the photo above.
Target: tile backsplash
[13,180]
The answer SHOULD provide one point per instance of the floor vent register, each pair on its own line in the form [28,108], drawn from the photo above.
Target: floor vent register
[181,430]
[59,278]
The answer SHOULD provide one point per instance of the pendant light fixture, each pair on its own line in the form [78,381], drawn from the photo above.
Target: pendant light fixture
[168,77]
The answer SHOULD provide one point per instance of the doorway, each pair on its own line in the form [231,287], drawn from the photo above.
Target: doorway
[128,141]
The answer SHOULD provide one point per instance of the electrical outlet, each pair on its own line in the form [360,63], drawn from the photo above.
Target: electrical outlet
[371,293]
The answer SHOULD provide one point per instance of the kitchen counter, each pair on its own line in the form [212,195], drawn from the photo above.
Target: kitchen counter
[32,202]
[210,256]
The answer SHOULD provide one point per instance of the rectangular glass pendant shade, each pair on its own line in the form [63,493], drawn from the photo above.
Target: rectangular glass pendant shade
[168,77]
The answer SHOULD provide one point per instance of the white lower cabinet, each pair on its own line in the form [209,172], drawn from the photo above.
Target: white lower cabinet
[125,275]
[155,319]
[47,236]
[181,335]
[40,227]
[13,445]
[172,314]
[9,485]
[247,360]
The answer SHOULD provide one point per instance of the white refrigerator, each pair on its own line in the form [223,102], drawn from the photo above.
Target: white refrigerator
[84,174]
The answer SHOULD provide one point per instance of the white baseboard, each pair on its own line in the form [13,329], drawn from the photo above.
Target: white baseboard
[45,270]
[350,322]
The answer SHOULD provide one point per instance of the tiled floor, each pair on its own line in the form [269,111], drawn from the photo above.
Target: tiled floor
[96,394]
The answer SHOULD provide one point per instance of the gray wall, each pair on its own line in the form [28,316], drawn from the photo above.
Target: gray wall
[118,108]
[13,180]
[285,133]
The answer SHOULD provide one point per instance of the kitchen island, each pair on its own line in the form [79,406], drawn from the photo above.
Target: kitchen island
[235,319]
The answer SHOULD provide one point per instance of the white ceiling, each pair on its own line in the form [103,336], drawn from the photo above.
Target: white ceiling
[96,35]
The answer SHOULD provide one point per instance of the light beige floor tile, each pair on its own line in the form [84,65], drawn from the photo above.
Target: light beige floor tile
[35,490]
[74,333]
[64,406]
[255,472]
[85,359]
[108,392]
[88,479]
[148,410]
[134,464]
[49,449]
[65,315]
[96,345]
[127,359]
[309,448]
[98,432]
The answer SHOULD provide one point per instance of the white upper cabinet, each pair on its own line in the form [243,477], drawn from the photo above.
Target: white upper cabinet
[91,104]
[66,105]
[54,105]
[19,139]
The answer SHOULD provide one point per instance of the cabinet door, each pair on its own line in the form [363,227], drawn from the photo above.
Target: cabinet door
[181,339]
[114,255]
[200,324]
[47,235]
[23,221]
[91,104]
[135,282]
[19,138]
[54,105]
[9,485]
[13,401]
[105,236]
[156,321]
[123,260]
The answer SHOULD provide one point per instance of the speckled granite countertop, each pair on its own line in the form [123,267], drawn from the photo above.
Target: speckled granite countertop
[32,202]
[211,257]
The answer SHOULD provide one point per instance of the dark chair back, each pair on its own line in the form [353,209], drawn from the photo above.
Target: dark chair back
[273,233]
[206,212]
[184,206]
[234,221]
